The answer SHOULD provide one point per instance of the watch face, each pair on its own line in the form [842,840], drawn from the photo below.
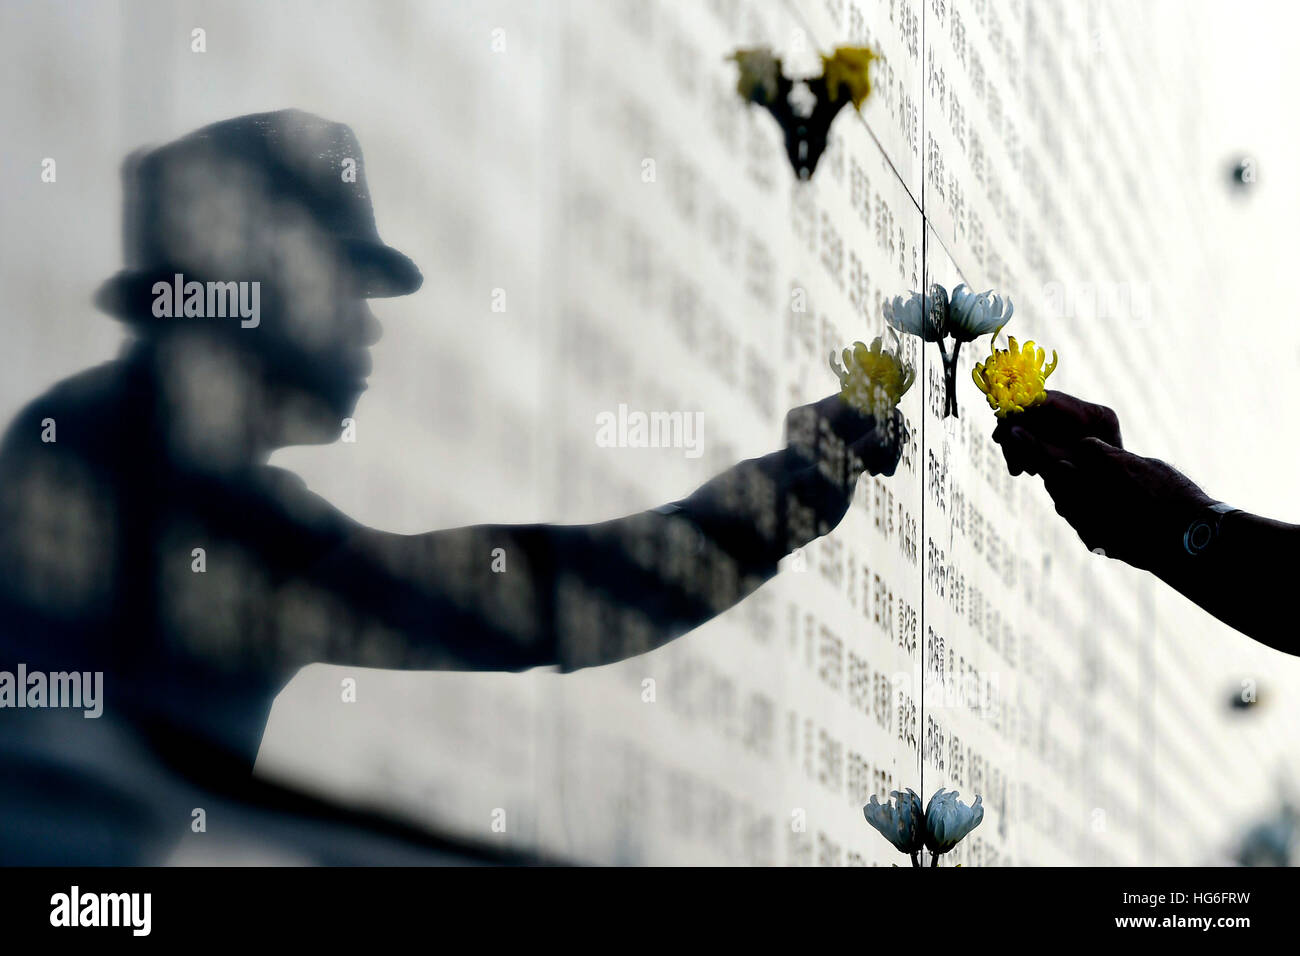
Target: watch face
[1198,537]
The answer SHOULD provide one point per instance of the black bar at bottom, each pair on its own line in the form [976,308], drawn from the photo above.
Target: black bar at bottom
[462,906]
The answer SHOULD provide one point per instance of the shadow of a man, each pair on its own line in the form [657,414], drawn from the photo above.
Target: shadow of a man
[144,536]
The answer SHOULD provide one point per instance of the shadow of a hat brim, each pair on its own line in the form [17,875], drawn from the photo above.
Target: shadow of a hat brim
[381,272]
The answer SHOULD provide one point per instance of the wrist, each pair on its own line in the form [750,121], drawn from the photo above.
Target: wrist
[1191,539]
[1169,529]
[1205,529]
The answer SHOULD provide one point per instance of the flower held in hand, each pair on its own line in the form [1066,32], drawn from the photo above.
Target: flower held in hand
[850,67]
[1014,379]
[873,379]
[759,72]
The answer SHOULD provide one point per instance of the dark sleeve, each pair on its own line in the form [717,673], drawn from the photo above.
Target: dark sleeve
[511,597]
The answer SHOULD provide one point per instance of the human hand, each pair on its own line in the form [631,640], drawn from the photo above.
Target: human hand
[765,507]
[829,444]
[1036,438]
[830,432]
[1128,507]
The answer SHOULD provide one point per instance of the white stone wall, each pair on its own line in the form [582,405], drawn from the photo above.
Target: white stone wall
[1057,151]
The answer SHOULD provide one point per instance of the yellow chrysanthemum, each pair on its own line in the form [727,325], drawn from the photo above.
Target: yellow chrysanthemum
[849,66]
[1014,379]
[760,71]
[873,379]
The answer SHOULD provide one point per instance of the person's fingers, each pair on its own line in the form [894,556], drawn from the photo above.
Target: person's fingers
[1075,418]
[1093,453]
[894,434]
[1056,419]
[1064,473]
[1099,421]
[1112,421]
[1012,449]
[845,421]
[1031,440]
[1010,446]
[825,429]
[879,451]
[1032,454]
[1062,401]
[1011,453]
[1086,493]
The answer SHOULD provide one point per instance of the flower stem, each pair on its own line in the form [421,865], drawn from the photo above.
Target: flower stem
[934,859]
[950,383]
[915,861]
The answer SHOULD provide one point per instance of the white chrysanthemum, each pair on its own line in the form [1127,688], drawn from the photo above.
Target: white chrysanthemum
[948,820]
[916,315]
[900,821]
[971,315]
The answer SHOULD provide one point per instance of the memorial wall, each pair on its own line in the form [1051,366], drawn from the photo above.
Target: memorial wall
[607,229]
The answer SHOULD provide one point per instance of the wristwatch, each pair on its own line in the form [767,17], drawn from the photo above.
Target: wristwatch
[1204,529]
